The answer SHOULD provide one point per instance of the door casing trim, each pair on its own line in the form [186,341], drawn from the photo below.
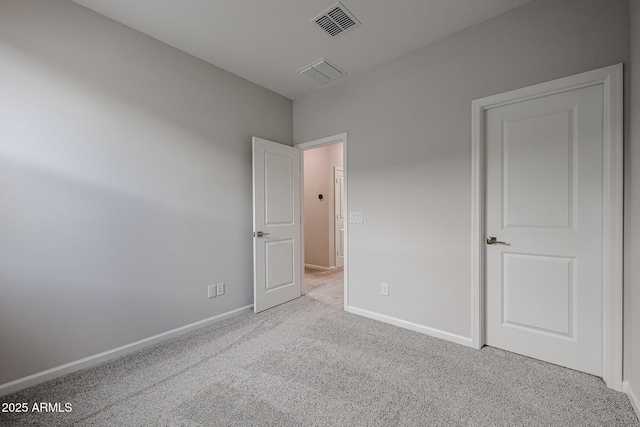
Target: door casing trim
[611,79]
[334,249]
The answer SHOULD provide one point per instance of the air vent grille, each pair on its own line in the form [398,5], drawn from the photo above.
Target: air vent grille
[329,26]
[322,71]
[336,20]
[341,18]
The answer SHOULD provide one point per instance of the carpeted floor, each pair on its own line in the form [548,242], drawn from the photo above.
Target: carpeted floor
[314,278]
[308,362]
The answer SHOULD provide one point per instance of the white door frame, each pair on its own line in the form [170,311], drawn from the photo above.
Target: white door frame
[611,79]
[342,137]
[334,222]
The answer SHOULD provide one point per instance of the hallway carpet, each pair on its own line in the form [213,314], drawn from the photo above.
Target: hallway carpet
[309,363]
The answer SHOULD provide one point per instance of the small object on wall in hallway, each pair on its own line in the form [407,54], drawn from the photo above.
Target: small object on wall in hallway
[212,291]
[355,217]
[384,289]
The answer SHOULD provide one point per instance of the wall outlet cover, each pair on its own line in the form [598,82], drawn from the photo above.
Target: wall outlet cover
[220,288]
[384,288]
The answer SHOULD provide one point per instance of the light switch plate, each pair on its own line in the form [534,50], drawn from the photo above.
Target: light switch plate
[355,217]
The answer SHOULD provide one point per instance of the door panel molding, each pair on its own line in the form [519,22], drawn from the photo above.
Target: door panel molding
[611,79]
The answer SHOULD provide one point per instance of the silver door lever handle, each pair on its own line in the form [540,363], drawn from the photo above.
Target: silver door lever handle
[259,234]
[494,241]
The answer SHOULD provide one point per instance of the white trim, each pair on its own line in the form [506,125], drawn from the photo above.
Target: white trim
[633,397]
[87,362]
[477,226]
[611,80]
[436,333]
[335,240]
[318,267]
[613,233]
[341,137]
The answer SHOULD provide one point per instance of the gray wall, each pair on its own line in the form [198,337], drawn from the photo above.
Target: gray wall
[125,185]
[409,128]
[632,220]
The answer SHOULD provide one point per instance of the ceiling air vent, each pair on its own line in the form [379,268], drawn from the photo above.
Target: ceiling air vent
[336,20]
[322,71]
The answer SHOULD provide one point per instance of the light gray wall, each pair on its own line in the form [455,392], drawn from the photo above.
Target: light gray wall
[125,185]
[409,127]
[632,220]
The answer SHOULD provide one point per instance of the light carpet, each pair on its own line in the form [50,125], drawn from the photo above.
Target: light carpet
[309,363]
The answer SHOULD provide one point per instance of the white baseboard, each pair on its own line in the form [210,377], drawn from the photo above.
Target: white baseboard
[458,339]
[633,397]
[58,371]
[318,267]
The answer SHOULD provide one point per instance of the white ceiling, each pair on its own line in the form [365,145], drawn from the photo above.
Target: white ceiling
[268,41]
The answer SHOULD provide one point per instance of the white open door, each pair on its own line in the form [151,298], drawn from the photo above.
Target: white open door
[276,224]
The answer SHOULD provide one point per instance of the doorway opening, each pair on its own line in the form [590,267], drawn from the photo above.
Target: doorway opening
[324,235]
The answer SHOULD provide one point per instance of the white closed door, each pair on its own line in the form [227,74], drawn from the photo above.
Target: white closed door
[338,175]
[544,200]
[276,224]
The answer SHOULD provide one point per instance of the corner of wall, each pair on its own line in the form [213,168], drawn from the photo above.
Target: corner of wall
[633,397]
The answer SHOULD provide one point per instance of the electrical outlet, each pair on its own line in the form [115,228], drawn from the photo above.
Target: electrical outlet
[220,289]
[212,291]
[384,289]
